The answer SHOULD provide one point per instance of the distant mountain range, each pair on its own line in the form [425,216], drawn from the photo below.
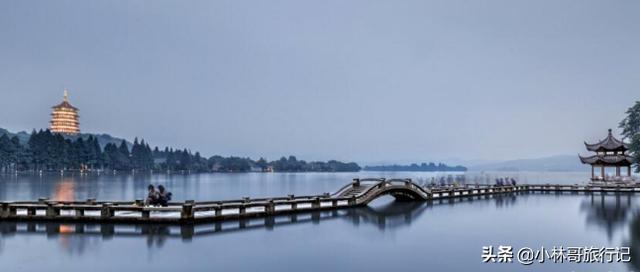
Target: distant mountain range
[561,163]
[103,139]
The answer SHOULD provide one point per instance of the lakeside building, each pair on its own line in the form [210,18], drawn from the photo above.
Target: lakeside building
[610,153]
[65,118]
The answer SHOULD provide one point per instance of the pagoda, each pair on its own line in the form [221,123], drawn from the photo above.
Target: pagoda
[610,152]
[64,118]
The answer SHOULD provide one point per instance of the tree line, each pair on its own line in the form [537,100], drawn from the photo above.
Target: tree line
[47,151]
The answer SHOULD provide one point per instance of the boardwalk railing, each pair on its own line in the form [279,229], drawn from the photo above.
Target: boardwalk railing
[358,193]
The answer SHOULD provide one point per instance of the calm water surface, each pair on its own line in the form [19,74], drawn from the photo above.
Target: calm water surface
[385,236]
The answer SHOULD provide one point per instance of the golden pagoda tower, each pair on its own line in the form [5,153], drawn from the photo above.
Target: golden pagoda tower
[65,118]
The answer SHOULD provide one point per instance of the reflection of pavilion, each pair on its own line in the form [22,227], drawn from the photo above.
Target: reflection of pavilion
[608,211]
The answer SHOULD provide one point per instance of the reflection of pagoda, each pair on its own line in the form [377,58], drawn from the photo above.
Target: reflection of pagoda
[64,118]
[610,152]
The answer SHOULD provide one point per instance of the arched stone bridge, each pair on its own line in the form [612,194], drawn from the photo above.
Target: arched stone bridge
[367,190]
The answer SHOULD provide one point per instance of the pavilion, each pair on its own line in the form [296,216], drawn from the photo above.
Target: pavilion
[610,153]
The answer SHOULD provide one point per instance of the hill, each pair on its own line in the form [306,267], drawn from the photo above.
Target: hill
[561,163]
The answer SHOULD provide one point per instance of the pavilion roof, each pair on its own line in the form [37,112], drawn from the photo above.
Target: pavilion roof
[622,160]
[609,143]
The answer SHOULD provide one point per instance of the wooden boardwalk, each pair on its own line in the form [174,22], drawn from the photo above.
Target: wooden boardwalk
[358,193]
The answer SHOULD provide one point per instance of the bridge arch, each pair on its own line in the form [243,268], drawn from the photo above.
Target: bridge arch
[401,190]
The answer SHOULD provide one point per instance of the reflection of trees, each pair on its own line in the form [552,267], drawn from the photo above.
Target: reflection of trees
[609,212]
[634,244]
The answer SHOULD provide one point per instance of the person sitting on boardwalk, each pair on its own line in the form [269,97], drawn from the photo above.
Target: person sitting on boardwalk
[163,196]
[152,196]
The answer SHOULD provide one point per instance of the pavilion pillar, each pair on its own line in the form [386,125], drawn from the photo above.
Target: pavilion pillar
[629,170]
[602,172]
[593,176]
[617,171]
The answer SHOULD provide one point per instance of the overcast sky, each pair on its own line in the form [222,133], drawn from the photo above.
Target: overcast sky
[369,81]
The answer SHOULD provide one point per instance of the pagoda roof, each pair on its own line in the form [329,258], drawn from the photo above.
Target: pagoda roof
[64,104]
[607,159]
[608,144]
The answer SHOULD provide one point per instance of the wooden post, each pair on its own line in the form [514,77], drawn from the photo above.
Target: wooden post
[217,211]
[145,213]
[602,172]
[617,171]
[4,209]
[593,176]
[107,211]
[242,210]
[52,211]
[187,211]
[316,203]
[334,203]
[270,208]
[629,170]
[79,212]
[294,206]
[31,211]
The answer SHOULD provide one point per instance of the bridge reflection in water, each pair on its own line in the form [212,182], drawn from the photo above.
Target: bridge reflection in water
[75,237]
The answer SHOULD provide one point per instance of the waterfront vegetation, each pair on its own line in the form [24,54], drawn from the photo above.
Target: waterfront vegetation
[631,131]
[46,151]
[423,167]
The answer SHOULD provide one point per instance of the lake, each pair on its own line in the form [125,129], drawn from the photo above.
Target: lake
[384,236]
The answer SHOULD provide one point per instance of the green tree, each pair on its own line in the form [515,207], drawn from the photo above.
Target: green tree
[123,157]
[631,130]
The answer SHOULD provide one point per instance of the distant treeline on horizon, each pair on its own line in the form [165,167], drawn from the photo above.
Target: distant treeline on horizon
[47,151]
[423,167]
